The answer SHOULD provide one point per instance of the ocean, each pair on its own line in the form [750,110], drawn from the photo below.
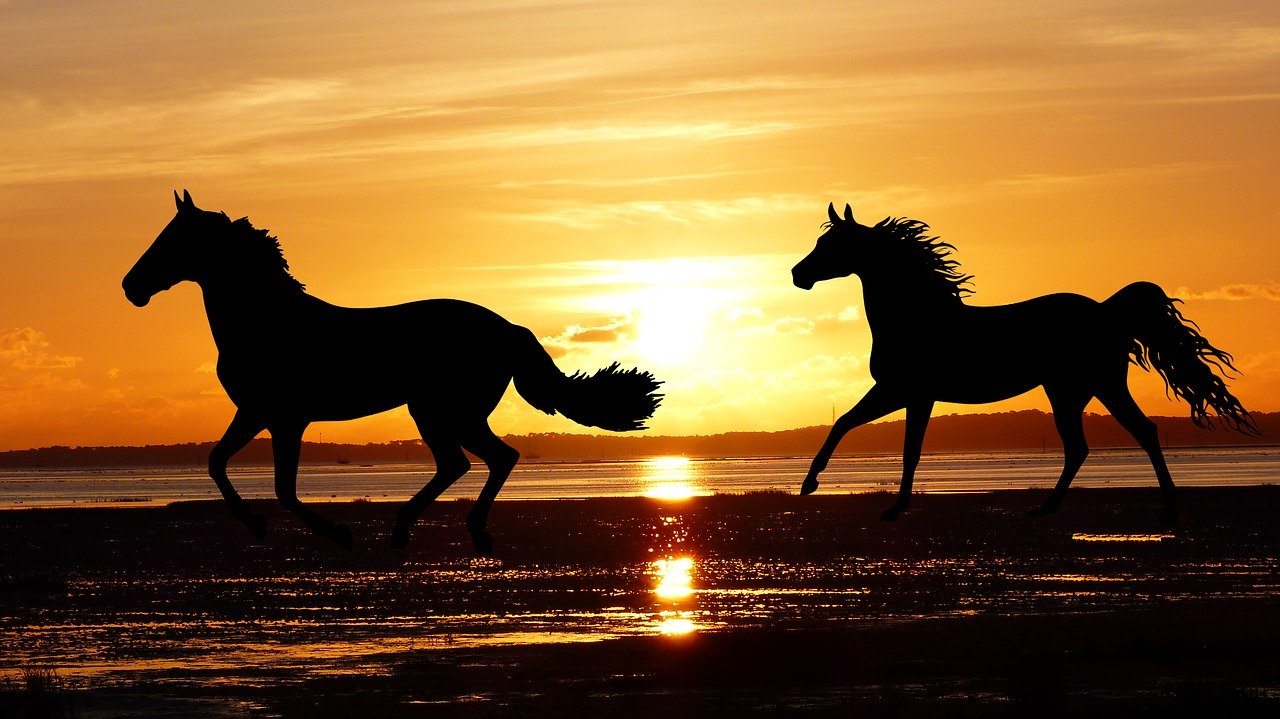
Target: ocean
[661,477]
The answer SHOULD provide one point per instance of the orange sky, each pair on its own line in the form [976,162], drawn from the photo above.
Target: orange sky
[640,175]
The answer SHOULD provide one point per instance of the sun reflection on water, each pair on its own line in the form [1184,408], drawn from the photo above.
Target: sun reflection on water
[674,587]
[1086,537]
[676,624]
[675,578]
[670,478]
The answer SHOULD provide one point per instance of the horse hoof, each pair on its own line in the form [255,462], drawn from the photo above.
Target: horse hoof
[1041,511]
[890,514]
[809,486]
[341,534]
[483,542]
[1169,515]
[399,538]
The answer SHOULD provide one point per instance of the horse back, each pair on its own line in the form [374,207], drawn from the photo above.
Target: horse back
[330,362]
[979,354]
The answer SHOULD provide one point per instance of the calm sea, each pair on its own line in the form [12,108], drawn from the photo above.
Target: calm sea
[657,476]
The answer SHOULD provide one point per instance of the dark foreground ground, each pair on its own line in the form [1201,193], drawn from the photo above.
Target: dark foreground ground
[799,606]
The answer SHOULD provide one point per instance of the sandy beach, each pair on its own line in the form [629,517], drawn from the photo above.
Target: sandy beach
[784,605]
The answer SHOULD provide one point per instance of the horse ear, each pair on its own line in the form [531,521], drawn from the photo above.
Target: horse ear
[831,213]
[848,213]
[186,200]
[177,200]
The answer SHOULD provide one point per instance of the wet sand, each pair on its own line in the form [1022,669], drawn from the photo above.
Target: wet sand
[794,605]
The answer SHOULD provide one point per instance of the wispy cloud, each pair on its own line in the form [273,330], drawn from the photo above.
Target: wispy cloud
[1266,291]
[611,331]
[625,182]
[781,327]
[28,349]
[593,216]
[1214,43]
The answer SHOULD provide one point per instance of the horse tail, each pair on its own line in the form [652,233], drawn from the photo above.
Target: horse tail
[613,399]
[1165,341]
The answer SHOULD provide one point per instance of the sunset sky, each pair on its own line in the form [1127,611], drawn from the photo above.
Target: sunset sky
[632,181]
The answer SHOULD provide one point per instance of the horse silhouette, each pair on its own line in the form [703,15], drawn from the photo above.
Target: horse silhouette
[287,359]
[929,346]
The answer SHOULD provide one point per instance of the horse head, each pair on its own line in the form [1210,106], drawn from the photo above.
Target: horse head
[173,257]
[831,256]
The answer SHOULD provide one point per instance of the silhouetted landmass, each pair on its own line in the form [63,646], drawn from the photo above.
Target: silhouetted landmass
[1022,430]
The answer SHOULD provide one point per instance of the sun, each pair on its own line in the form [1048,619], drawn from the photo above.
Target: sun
[667,307]
[671,324]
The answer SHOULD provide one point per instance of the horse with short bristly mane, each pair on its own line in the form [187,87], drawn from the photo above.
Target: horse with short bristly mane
[287,359]
[928,346]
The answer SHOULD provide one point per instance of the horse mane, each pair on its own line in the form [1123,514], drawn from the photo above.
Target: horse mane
[262,254]
[926,253]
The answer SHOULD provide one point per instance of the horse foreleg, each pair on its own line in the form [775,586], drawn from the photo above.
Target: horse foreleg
[912,444]
[875,404]
[1121,405]
[501,458]
[286,446]
[451,464]
[241,431]
[1068,417]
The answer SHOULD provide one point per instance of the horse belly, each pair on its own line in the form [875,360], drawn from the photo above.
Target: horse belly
[984,388]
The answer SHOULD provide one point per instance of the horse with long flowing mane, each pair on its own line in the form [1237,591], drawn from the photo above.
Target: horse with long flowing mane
[287,359]
[929,346]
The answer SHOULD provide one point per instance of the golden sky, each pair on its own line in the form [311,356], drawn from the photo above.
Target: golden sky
[632,181]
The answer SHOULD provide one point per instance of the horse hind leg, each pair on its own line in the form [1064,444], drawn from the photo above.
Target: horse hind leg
[286,446]
[1068,417]
[500,458]
[451,464]
[1126,411]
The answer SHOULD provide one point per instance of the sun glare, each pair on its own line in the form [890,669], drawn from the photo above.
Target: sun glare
[671,324]
[669,478]
[675,578]
[676,625]
[670,303]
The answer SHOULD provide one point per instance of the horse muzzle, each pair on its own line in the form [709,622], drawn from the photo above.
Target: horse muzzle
[135,294]
[138,300]
[803,283]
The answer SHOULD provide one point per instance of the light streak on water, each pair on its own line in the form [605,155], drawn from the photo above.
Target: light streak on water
[659,477]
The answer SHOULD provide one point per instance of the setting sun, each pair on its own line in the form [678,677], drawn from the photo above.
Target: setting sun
[671,324]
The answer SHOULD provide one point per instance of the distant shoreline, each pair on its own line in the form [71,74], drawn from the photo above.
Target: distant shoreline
[200,465]
[1027,430]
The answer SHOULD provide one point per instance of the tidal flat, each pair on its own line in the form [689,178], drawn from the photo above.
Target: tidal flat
[730,605]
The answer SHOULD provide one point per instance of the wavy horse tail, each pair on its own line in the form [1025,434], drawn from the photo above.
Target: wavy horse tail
[613,399]
[1164,341]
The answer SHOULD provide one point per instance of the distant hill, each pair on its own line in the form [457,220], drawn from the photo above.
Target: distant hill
[1024,430]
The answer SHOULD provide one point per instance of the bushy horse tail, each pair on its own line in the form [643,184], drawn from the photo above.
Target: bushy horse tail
[613,399]
[1165,341]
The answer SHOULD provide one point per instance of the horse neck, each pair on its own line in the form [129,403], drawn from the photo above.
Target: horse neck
[246,311]
[898,303]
